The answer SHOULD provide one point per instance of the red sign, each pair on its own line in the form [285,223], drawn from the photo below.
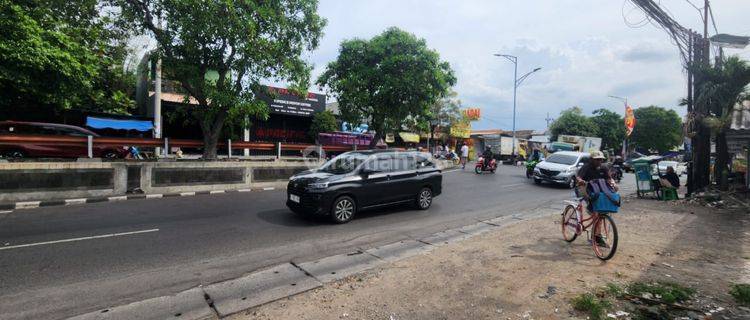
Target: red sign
[472,114]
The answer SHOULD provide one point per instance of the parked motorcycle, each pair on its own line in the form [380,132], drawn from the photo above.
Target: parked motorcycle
[530,165]
[616,173]
[449,156]
[480,167]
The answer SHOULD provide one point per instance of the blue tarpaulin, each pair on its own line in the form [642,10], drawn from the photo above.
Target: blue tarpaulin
[119,124]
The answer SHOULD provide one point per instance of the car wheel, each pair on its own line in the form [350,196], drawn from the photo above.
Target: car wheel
[16,154]
[343,209]
[109,154]
[424,199]
[537,181]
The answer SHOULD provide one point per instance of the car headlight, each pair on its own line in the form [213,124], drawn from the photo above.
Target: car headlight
[318,185]
[536,170]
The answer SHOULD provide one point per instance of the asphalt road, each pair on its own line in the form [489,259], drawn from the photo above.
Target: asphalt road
[89,257]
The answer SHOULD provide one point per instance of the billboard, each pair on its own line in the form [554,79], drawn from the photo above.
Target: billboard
[284,101]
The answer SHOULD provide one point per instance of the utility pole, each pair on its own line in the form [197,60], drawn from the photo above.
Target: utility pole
[548,120]
[516,82]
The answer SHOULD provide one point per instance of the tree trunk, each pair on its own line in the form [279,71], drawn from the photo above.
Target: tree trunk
[210,143]
[701,143]
[375,139]
[722,161]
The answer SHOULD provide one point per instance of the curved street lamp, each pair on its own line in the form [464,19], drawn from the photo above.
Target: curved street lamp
[516,83]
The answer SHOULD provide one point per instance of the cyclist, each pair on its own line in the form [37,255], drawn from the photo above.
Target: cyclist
[593,170]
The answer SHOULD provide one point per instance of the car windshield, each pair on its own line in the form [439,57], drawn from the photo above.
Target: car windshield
[562,159]
[344,163]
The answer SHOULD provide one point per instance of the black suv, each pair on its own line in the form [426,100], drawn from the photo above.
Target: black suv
[360,180]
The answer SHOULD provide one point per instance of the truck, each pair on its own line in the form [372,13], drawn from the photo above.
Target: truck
[502,146]
[583,144]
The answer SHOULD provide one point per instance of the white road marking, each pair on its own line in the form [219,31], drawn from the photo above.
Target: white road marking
[268,188]
[6,211]
[451,170]
[154,196]
[75,201]
[187,194]
[216,191]
[244,190]
[118,198]
[27,205]
[78,239]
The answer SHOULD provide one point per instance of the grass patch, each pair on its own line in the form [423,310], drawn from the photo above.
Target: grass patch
[613,290]
[665,291]
[591,304]
[741,293]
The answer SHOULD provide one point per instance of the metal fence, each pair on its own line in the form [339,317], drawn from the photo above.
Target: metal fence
[266,149]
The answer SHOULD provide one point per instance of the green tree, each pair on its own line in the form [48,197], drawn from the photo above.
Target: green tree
[572,122]
[610,126]
[243,42]
[444,113]
[387,80]
[322,122]
[656,129]
[57,55]
[722,87]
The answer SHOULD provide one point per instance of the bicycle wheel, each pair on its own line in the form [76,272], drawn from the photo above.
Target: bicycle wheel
[604,238]
[569,223]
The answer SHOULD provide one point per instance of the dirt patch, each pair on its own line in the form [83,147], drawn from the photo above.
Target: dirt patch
[526,271]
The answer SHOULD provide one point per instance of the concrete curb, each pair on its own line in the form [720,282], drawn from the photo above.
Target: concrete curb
[79,201]
[260,287]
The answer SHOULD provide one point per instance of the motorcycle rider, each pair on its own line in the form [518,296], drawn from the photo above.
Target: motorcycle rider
[487,155]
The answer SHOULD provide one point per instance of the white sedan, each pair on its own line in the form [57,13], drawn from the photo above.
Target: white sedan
[679,167]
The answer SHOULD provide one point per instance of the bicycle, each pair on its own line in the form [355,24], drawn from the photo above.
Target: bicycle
[604,239]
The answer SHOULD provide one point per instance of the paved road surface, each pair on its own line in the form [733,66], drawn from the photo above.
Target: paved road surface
[89,257]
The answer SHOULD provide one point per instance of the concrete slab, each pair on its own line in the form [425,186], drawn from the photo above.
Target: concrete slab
[261,287]
[445,237]
[340,266]
[400,250]
[189,304]
[499,221]
[477,228]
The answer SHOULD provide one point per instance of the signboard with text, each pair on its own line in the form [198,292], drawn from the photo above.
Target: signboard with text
[284,101]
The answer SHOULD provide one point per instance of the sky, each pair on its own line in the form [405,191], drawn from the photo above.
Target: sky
[585,48]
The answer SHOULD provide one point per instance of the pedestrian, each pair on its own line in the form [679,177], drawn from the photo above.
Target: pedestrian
[464,155]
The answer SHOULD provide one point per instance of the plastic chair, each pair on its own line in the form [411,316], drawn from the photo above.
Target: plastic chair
[669,194]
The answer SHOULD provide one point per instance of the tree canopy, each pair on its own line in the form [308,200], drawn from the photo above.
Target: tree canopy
[61,55]
[243,42]
[322,122]
[573,122]
[610,126]
[387,80]
[656,129]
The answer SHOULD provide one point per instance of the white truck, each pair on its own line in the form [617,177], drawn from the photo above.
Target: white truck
[584,144]
[502,146]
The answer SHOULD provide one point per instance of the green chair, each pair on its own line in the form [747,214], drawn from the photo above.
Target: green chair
[669,194]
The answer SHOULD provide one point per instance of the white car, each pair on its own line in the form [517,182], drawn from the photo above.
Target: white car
[680,168]
[560,167]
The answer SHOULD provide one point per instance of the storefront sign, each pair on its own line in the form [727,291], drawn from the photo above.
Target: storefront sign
[472,114]
[461,130]
[390,138]
[409,137]
[284,101]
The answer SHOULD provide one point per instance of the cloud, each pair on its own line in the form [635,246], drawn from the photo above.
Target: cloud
[584,48]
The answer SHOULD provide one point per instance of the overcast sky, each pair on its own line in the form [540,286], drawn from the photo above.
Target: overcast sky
[585,48]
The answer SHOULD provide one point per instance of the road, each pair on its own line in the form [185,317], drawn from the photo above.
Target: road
[57,262]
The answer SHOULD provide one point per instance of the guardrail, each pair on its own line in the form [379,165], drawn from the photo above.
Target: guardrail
[165,143]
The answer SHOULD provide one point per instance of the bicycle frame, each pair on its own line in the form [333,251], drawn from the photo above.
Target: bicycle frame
[583,223]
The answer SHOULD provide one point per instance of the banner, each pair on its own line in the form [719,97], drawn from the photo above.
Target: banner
[629,120]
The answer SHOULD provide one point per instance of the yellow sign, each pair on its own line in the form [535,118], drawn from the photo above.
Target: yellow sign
[461,130]
[409,137]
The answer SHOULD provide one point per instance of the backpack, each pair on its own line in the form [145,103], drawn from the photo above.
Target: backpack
[602,197]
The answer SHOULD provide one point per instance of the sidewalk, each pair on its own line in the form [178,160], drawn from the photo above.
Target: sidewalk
[526,271]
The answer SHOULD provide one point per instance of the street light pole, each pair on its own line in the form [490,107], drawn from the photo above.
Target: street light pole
[516,82]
